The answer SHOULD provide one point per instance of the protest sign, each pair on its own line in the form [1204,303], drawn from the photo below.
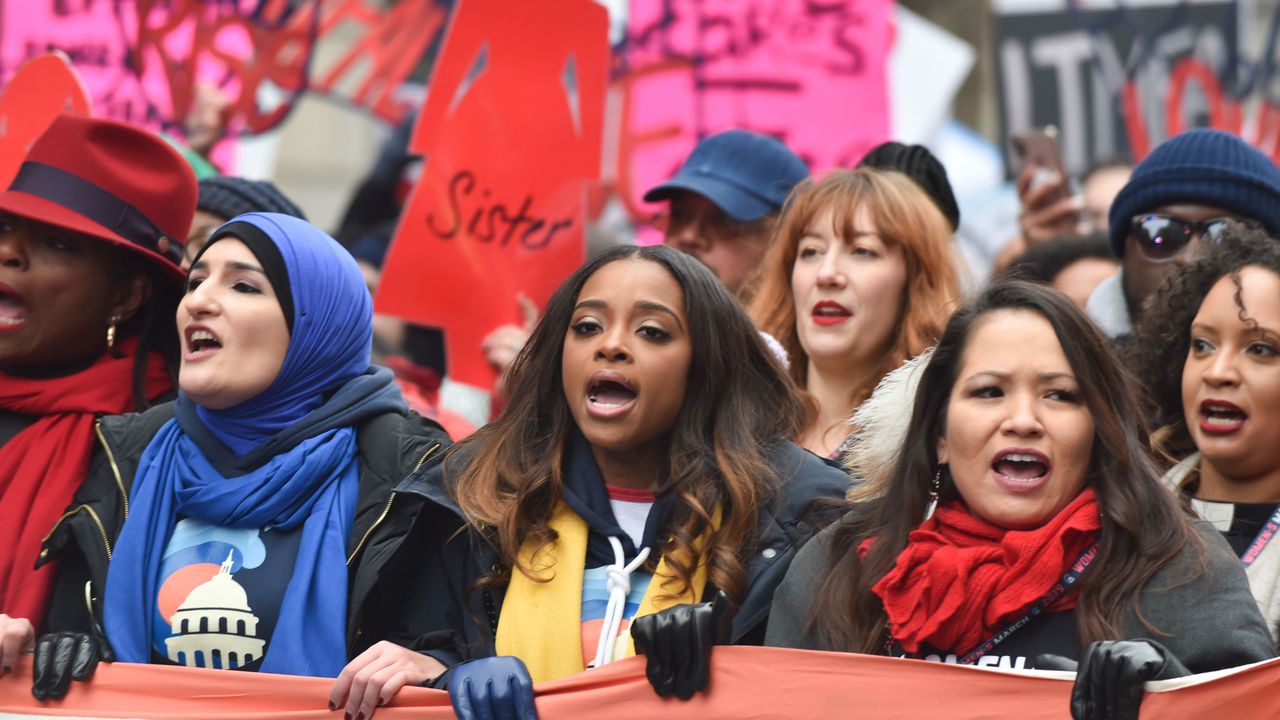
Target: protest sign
[142,59]
[41,90]
[92,37]
[811,74]
[745,682]
[511,129]
[1113,76]
[927,66]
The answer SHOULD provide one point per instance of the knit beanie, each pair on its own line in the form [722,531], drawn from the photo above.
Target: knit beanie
[1203,167]
[917,163]
[228,197]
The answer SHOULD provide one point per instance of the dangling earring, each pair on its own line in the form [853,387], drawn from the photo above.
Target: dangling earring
[111,332]
[934,489]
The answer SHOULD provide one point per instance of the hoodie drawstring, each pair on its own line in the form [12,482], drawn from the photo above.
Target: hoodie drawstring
[618,578]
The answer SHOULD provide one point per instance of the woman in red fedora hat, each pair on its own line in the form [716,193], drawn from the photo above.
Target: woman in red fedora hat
[90,242]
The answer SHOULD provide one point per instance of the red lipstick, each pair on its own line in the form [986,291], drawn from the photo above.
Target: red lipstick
[829,312]
[1219,417]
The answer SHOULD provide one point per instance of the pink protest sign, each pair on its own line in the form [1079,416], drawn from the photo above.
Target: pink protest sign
[143,59]
[811,74]
[127,80]
[93,38]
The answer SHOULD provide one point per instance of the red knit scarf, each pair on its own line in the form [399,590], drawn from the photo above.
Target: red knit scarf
[42,467]
[960,580]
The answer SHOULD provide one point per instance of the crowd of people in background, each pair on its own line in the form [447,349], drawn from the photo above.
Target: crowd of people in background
[801,421]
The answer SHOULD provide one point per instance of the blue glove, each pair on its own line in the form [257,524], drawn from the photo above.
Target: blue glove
[496,688]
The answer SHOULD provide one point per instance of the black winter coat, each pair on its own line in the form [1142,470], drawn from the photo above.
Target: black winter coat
[395,454]
[465,618]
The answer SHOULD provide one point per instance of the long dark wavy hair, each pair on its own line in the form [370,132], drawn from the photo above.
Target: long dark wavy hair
[1142,526]
[738,404]
[1160,342]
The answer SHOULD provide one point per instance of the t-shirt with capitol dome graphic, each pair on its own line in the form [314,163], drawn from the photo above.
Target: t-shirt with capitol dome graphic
[220,594]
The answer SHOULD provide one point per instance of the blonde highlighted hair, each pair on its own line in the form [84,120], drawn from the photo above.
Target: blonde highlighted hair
[903,216]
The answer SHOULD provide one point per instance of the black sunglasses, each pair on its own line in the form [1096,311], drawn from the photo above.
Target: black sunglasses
[1161,237]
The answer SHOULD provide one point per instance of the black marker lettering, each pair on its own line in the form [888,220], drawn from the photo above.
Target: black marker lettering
[455,203]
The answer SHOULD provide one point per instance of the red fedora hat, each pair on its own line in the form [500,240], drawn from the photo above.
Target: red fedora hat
[110,181]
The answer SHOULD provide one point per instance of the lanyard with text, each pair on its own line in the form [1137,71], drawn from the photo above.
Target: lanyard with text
[1055,592]
[1262,539]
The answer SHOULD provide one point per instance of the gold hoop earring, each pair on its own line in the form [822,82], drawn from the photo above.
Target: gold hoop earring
[111,332]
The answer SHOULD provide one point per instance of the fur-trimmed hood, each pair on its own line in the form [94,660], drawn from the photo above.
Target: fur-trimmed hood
[880,427]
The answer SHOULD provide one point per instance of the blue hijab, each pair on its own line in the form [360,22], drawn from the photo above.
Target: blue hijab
[285,458]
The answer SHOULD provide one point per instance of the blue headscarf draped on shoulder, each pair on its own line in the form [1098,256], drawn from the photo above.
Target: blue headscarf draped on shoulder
[285,458]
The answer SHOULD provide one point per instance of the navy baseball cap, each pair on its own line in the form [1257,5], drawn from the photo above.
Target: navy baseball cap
[746,174]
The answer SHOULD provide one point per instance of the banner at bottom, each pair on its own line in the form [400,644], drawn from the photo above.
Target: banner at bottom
[746,682]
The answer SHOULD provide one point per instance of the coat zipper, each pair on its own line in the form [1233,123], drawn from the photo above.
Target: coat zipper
[386,509]
[115,469]
[93,515]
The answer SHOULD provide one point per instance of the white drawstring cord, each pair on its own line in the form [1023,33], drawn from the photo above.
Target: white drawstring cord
[619,584]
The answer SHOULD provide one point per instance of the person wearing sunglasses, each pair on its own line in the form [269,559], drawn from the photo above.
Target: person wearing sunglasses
[723,202]
[1177,202]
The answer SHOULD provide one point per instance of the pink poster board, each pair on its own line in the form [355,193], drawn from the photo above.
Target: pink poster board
[812,74]
[101,39]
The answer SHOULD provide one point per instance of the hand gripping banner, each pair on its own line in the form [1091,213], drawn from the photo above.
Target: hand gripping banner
[746,682]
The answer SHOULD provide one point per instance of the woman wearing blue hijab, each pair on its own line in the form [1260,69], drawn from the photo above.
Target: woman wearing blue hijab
[249,524]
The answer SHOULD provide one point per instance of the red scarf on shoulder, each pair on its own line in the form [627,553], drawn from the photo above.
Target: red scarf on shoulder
[42,467]
[961,580]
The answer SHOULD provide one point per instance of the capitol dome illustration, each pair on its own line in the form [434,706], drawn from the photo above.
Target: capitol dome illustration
[215,627]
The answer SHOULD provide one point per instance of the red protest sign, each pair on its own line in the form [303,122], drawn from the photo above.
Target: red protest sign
[41,89]
[510,130]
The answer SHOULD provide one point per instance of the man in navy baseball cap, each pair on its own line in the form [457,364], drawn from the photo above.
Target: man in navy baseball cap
[725,198]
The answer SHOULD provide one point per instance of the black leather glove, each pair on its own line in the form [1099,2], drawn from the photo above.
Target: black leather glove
[677,644]
[496,688]
[1110,676]
[63,657]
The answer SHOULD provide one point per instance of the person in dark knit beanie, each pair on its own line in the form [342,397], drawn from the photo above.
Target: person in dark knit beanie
[223,197]
[917,163]
[1175,199]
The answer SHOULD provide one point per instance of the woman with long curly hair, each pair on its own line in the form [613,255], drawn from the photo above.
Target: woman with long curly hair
[861,276]
[1211,358]
[1024,518]
[641,468]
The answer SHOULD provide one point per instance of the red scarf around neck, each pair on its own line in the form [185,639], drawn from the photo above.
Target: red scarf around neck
[960,579]
[42,467]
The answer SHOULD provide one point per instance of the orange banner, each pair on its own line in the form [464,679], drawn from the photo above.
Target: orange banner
[746,682]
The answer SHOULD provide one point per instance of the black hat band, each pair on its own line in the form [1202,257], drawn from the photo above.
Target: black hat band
[97,204]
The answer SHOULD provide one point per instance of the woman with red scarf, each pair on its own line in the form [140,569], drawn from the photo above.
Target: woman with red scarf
[1023,525]
[91,233]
